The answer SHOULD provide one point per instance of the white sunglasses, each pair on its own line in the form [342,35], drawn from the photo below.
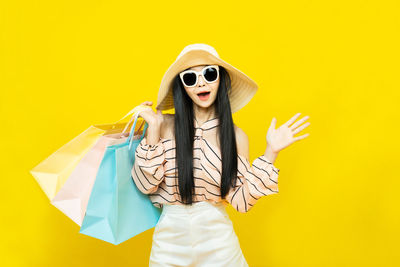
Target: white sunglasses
[190,77]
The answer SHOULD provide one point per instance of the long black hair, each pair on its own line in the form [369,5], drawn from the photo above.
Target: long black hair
[184,137]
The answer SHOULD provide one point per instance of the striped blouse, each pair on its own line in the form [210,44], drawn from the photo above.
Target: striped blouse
[154,172]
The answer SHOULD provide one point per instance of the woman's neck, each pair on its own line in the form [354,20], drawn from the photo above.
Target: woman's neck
[204,114]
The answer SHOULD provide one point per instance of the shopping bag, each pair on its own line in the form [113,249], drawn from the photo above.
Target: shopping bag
[52,173]
[73,196]
[117,210]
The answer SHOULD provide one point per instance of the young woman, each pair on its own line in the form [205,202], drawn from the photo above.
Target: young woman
[211,155]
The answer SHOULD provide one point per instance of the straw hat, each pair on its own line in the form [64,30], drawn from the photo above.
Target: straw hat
[243,88]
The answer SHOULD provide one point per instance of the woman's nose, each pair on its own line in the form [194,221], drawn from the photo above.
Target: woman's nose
[201,80]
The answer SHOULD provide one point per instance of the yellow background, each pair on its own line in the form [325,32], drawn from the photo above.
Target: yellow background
[68,64]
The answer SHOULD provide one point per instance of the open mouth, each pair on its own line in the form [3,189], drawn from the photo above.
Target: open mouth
[203,94]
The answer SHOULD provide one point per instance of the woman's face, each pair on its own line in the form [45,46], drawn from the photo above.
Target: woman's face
[202,86]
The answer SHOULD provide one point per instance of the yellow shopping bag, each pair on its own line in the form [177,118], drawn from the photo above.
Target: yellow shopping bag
[52,172]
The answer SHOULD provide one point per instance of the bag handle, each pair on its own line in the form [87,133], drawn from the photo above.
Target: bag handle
[130,138]
[126,126]
[132,111]
[135,110]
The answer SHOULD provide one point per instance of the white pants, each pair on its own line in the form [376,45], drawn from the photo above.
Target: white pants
[198,235]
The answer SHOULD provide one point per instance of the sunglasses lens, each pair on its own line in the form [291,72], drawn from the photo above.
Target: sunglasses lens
[189,79]
[211,74]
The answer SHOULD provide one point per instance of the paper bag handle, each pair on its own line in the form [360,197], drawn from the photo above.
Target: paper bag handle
[126,126]
[134,110]
[130,138]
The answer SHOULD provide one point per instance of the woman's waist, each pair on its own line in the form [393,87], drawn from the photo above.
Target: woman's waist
[194,207]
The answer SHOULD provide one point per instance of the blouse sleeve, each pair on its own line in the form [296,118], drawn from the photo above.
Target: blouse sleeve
[253,182]
[148,168]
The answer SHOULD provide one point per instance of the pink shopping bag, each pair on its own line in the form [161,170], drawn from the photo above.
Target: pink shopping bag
[73,197]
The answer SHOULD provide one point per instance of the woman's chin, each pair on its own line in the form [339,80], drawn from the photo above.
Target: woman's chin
[203,104]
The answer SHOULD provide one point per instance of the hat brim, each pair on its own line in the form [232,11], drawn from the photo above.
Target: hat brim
[243,88]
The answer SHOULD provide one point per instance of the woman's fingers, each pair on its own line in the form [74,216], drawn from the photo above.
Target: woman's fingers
[148,116]
[292,119]
[147,113]
[147,103]
[301,137]
[297,123]
[273,124]
[144,112]
[300,128]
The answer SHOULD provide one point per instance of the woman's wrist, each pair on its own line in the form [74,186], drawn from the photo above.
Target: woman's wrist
[153,134]
[270,155]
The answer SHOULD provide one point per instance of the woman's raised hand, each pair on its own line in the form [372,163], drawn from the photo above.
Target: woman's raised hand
[278,139]
[153,119]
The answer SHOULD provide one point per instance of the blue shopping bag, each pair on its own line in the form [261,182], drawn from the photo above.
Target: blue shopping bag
[117,210]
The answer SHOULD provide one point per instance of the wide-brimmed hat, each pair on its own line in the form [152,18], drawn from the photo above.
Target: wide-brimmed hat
[243,87]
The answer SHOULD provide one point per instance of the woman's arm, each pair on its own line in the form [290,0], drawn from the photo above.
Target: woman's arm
[148,168]
[253,180]
[270,155]
[261,178]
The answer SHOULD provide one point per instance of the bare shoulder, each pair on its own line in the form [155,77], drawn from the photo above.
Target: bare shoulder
[242,142]
[167,129]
